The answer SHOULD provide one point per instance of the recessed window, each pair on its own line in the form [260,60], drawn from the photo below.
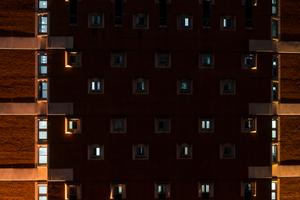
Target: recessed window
[162,60]
[227,151]
[42,191]
[118,191]
[118,59]
[275,91]
[96,152]
[248,190]
[206,61]
[249,61]
[118,125]
[274,153]
[227,87]
[42,89]
[274,29]
[274,187]
[96,20]
[274,128]
[72,191]
[227,23]
[184,151]
[140,152]
[162,191]
[140,21]
[42,129]
[275,67]
[43,24]
[73,12]
[206,13]
[118,12]
[43,4]
[42,64]
[184,22]
[140,86]
[248,124]
[205,190]
[206,125]
[184,86]
[72,125]
[73,59]
[96,86]
[162,125]
[163,12]
[42,155]
[274,7]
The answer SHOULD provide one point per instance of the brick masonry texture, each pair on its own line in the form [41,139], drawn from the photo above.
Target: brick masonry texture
[290,18]
[289,188]
[17,190]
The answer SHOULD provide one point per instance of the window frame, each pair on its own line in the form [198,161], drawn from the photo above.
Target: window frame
[43,24]
[202,129]
[91,20]
[42,155]
[252,190]
[40,4]
[117,186]
[123,57]
[251,66]
[122,129]
[98,83]
[157,120]
[166,190]
[203,65]
[222,151]
[159,55]
[135,156]
[42,89]
[77,56]
[78,190]
[42,194]
[135,89]
[183,148]
[181,22]
[228,81]
[69,130]
[94,149]
[233,23]
[253,124]
[135,23]
[189,84]
[42,129]
[205,194]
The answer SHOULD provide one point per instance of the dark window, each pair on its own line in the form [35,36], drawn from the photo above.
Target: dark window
[248,13]
[73,12]
[206,13]
[275,67]
[118,12]
[162,12]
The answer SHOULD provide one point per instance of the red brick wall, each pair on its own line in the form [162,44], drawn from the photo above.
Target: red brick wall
[290,19]
[289,188]
[17,190]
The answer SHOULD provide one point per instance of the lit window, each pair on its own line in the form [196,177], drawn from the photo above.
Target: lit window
[274,91]
[249,61]
[274,153]
[162,60]
[274,190]
[96,152]
[42,89]
[42,155]
[140,152]
[42,64]
[227,23]
[162,125]
[227,151]
[274,7]
[117,191]
[275,66]
[248,190]
[206,125]
[184,151]
[227,87]
[42,191]
[140,86]
[205,190]
[140,21]
[43,24]
[206,61]
[274,128]
[96,20]
[275,29]
[184,86]
[42,129]
[162,191]
[43,4]
[118,125]
[72,125]
[248,125]
[184,22]
[118,59]
[72,59]
[72,191]
[96,86]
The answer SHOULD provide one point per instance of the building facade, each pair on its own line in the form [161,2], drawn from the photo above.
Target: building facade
[153,99]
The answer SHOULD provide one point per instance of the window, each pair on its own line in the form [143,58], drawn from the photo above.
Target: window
[275,7]
[206,125]
[275,66]
[42,89]
[162,12]
[249,61]
[72,12]
[42,64]
[118,125]
[206,61]
[43,24]
[96,20]
[184,86]
[184,151]
[227,151]
[162,191]
[96,152]
[42,191]
[118,191]
[274,190]
[42,129]
[227,23]
[43,4]
[72,125]
[248,190]
[140,21]
[249,12]
[227,87]
[274,153]
[72,191]
[274,30]
[275,91]
[140,152]
[206,13]
[42,155]
[118,59]
[73,59]
[274,128]
[248,124]
[140,86]
[118,12]
[205,190]
[162,125]
[96,86]
[184,22]
[162,60]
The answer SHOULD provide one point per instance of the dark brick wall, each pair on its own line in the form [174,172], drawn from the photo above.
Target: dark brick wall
[290,20]
[17,190]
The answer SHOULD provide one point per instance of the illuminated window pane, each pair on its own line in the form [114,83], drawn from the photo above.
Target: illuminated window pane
[42,155]
[43,4]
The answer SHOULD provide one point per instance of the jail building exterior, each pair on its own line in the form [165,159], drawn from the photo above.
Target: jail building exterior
[153,99]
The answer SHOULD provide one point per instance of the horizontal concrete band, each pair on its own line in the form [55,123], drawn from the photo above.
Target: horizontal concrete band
[259,172]
[41,108]
[34,43]
[28,174]
[61,174]
[286,170]
[274,46]
[274,109]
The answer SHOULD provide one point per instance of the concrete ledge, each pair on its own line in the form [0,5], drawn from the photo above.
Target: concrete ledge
[60,42]
[18,174]
[262,45]
[288,47]
[288,109]
[19,43]
[286,170]
[61,174]
[60,108]
[262,108]
[260,172]
[23,108]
